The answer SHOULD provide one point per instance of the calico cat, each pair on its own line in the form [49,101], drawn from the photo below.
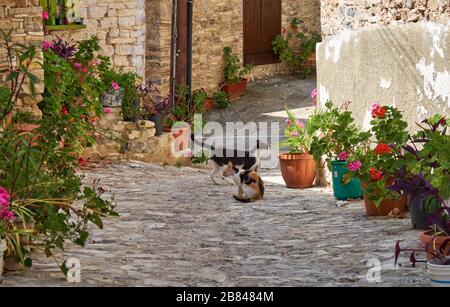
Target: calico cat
[243,160]
[250,185]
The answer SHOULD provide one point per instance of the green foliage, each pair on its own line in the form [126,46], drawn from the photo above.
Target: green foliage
[294,47]
[39,166]
[221,98]
[185,109]
[334,131]
[298,140]
[379,169]
[126,80]
[233,71]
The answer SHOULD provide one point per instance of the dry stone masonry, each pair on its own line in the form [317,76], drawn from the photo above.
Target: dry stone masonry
[354,14]
[24,18]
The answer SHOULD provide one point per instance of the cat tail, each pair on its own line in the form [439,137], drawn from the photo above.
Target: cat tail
[242,200]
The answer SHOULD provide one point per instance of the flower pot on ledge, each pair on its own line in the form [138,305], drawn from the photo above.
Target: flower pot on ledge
[235,91]
[386,207]
[209,104]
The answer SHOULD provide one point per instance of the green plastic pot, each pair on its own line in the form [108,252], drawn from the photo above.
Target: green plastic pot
[352,190]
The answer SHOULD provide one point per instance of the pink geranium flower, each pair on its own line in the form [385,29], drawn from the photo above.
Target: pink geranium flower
[314,93]
[108,110]
[295,134]
[7,215]
[77,66]
[343,156]
[301,124]
[47,45]
[288,121]
[45,15]
[354,166]
[115,86]
[5,197]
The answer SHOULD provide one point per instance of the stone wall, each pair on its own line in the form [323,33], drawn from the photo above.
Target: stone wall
[393,52]
[121,27]
[24,18]
[338,15]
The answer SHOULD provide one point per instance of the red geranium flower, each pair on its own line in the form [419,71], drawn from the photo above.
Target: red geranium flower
[375,174]
[82,162]
[383,149]
[378,111]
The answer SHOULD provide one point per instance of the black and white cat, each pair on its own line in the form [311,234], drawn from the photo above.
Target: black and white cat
[242,160]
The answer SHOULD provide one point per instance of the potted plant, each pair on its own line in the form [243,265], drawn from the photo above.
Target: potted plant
[298,167]
[154,105]
[5,214]
[209,104]
[296,47]
[425,176]
[221,99]
[438,264]
[377,166]
[335,136]
[235,83]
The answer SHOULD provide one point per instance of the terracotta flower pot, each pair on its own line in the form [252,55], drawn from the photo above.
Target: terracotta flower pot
[387,206]
[209,104]
[235,91]
[299,170]
[182,137]
[12,265]
[432,244]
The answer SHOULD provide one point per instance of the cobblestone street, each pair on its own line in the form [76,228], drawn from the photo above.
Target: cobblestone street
[177,229]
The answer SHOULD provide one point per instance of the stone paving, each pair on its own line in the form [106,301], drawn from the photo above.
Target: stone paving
[177,229]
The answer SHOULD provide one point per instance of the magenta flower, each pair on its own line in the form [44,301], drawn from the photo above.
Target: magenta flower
[84,69]
[108,110]
[47,45]
[45,15]
[77,66]
[354,166]
[301,124]
[7,215]
[314,93]
[343,156]
[295,134]
[5,197]
[115,86]
[288,122]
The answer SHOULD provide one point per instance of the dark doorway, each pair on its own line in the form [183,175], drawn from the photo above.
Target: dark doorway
[262,23]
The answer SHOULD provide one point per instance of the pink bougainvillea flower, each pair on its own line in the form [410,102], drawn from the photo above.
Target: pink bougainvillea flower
[288,122]
[64,111]
[47,45]
[314,93]
[7,215]
[295,134]
[301,124]
[343,156]
[45,15]
[115,86]
[108,110]
[84,69]
[378,111]
[5,197]
[354,166]
[383,149]
[77,66]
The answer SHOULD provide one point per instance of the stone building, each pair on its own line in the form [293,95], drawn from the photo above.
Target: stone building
[396,52]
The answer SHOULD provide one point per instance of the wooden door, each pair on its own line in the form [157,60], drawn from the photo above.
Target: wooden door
[262,23]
